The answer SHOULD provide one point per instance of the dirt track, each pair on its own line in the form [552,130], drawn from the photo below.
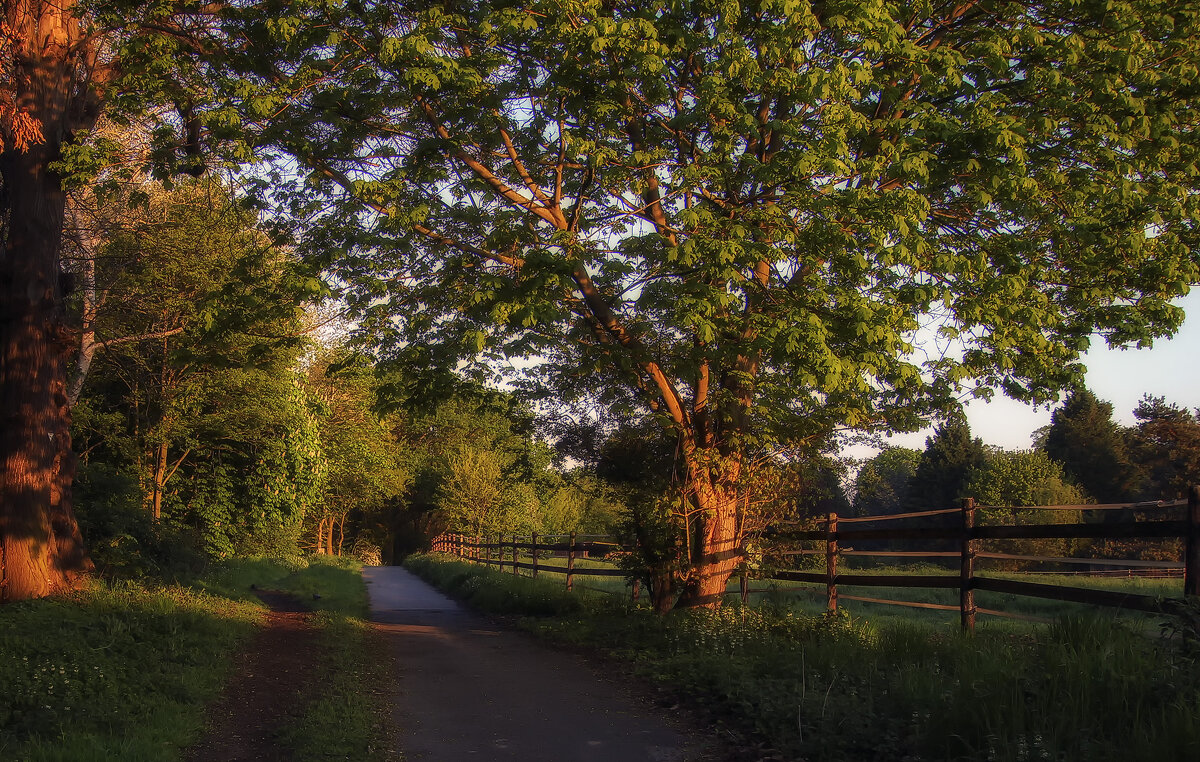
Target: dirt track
[270,680]
[469,690]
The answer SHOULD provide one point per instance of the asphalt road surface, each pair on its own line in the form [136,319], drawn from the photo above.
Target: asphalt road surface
[471,690]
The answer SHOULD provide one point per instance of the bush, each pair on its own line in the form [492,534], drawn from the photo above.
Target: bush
[121,536]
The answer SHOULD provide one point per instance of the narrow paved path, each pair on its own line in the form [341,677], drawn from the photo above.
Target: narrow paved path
[469,690]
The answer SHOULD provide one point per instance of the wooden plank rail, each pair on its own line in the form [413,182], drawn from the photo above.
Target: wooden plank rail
[1139,529]
[832,542]
[1073,594]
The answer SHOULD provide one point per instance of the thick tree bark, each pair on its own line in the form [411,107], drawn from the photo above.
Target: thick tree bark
[716,535]
[40,546]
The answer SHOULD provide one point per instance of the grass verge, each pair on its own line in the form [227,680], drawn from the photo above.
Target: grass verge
[114,671]
[346,717]
[820,688]
[123,670]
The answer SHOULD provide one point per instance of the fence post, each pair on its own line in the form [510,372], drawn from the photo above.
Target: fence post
[1191,573]
[571,563]
[831,549]
[745,586]
[534,553]
[514,555]
[966,584]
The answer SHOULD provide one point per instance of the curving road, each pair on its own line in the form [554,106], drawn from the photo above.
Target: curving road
[469,690]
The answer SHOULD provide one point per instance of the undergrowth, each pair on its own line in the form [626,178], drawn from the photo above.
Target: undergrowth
[842,688]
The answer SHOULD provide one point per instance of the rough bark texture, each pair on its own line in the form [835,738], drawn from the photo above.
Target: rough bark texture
[718,541]
[40,546]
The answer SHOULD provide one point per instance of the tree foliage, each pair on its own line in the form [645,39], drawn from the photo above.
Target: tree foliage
[1165,446]
[739,216]
[1091,447]
[1017,478]
[882,484]
[951,455]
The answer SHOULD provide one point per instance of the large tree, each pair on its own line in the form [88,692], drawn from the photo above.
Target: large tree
[1165,448]
[882,484]
[63,64]
[950,457]
[743,219]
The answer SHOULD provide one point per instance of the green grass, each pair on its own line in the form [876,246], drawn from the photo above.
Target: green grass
[347,716]
[123,670]
[810,598]
[116,671]
[902,688]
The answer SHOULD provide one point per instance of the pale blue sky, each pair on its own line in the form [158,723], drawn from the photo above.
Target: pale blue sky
[1170,369]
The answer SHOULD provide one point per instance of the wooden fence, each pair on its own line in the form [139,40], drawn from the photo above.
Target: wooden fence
[499,552]
[967,535]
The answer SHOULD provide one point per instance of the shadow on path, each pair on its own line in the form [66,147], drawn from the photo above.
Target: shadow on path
[469,690]
[270,682]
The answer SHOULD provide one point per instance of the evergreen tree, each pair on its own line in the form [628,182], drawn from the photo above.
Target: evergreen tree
[1165,445]
[1089,445]
[950,457]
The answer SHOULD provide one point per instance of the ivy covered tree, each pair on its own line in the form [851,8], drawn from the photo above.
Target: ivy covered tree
[735,218]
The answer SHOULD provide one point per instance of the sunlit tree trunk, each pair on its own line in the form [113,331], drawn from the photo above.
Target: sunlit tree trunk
[40,546]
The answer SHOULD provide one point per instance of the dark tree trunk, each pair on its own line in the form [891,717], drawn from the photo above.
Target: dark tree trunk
[40,546]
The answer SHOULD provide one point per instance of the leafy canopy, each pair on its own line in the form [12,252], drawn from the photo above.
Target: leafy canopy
[746,216]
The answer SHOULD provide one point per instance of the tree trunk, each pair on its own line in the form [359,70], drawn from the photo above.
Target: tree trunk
[321,535]
[40,546]
[341,533]
[715,536]
[662,591]
[160,480]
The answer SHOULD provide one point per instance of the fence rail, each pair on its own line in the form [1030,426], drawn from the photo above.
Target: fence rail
[967,534]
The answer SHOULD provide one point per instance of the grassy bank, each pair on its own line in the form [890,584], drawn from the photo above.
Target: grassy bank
[124,670]
[346,717]
[1085,688]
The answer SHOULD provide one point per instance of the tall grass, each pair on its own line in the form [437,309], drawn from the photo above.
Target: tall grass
[844,688]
